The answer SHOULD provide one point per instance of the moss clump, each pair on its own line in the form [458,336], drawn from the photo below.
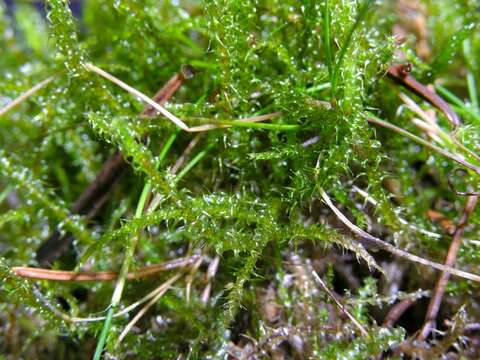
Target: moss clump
[242,201]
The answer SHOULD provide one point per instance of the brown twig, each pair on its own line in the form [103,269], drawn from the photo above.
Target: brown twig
[396,311]
[61,275]
[124,311]
[87,203]
[436,300]
[169,89]
[186,153]
[400,73]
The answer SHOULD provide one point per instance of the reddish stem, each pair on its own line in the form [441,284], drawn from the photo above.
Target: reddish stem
[400,73]
[436,300]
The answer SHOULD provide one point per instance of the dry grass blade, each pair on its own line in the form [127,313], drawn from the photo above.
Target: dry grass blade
[392,249]
[178,164]
[211,272]
[138,94]
[25,95]
[165,112]
[415,108]
[60,275]
[168,90]
[162,289]
[339,304]
[447,154]
[374,202]
[75,319]
[430,126]
[258,118]
[189,279]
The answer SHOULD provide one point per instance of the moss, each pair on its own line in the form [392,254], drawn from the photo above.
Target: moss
[247,193]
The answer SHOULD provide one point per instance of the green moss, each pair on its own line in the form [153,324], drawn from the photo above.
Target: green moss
[248,193]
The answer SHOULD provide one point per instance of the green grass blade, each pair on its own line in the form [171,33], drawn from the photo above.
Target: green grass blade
[327,41]
[362,12]
[471,83]
[264,126]
[450,48]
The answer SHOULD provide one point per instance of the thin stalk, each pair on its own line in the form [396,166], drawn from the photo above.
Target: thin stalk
[159,198]
[138,94]
[163,153]
[180,123]
[211,272]
[401,220]
[319,87]
[465,111]
[472,90]
[162,289]
[142,201]
[186,153]
[117,294]
[62,275]
[428,123]
[450,260]
[400,73]
[189,280]
[327,39]
[5,192]
[434,131]
[376,242]
[461,107]
[17,101]
[472,85]
[224,123]
[253,125]
[457,103]
[373,119]
[166,148]
[124,311]
[396,311]
[454,99]
[192,163]
[339,304]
